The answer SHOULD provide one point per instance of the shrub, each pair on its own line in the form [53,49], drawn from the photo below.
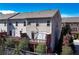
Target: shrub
[23,44]
[2,45]
[10,43]
[66,50]
[16,51]
[41,48]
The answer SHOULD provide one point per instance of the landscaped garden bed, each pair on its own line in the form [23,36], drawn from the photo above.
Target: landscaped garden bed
[19,46]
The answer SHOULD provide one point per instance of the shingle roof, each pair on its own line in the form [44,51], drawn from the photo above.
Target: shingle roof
[6,16]
[40,14]
[48,13]
[70,19]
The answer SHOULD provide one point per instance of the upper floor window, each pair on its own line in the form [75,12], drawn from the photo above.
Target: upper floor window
[37,24]
[48,23]
[16,23]
[28,23]
[4,23]
[24,23]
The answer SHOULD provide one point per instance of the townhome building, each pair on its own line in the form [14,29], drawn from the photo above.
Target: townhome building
[74,24]
[41,25]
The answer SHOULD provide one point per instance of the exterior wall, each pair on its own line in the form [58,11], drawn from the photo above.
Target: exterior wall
[16,29]
[56,26]
[3,28]
[29,28]
[41,28]
[42,25]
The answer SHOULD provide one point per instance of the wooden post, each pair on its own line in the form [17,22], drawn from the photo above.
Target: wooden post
[34,47]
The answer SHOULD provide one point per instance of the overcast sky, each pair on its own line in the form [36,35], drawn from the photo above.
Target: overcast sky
[65,8]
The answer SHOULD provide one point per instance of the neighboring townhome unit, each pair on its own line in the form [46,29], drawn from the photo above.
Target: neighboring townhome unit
[3,21]
[74,24]
[37,25]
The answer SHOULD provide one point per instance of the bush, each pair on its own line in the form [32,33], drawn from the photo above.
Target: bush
[23,44]
[16,51]
[41,48]
[10,43]
[66,50]
[2,45]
